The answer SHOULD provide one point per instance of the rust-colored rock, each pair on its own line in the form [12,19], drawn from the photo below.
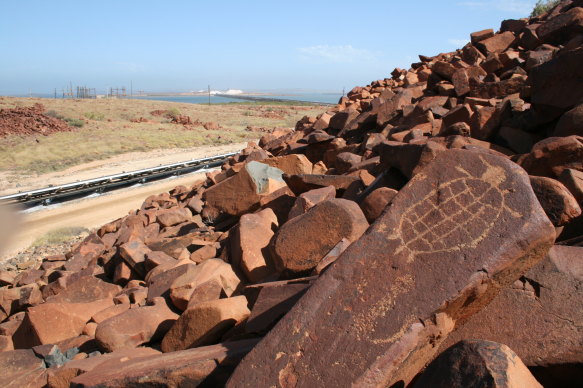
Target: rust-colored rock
[303,241]
[476,363]
[551,156]
[301,183]
[185,285]
[159,284]
[134,253]
[573,180]
[479,36]
[155,258]
[135,326]
[21,368]
[210,365]
[537,317]
[561,27]
[61,377]
[49,323]
[249,244]
[374,203]
[472,225]
[556,200]
[171,217]
[570,123]
[309,199]
[205,323]
[294,164]
[496,44]
[272,304]
[241,193]
[557,85]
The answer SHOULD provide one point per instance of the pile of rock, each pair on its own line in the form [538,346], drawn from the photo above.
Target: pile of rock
[426,231]
[30,120]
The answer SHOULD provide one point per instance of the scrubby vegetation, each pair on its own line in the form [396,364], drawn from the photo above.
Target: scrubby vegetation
[543,6]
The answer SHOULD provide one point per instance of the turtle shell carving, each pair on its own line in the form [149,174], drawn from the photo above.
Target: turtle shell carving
[457,214]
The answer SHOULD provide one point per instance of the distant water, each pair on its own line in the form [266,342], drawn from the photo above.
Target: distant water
[327,98]
[322,97]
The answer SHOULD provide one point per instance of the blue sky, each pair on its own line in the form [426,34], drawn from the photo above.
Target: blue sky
[261,45]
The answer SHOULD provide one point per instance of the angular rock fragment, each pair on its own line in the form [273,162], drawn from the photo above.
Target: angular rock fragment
[249,244]
[294,164]
[476,363]
[573,180]
[205,323]
[461,229]
[309,199]
[159,284]
[295,248]
[557,85]
[49,323]
[171,217]
[496,44]
[135,326]
[570,123]
[538,318]
[241,193]
[134,253]
[301,183]
[185,285]
[61,377]
[549,157]
[155,258]
[374,203]
[21,368]
[209,365]
[557,202]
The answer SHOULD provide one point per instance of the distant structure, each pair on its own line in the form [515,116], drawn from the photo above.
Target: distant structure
[117,92]
[80,92]
[85,92]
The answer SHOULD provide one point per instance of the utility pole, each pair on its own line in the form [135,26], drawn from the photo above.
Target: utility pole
[209,95]
[55,93]
[131,89]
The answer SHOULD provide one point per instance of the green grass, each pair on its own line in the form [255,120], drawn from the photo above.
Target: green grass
[97,116]
[58,236]
[77,123]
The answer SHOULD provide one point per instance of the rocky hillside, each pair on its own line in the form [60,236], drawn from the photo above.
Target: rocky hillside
[425,232]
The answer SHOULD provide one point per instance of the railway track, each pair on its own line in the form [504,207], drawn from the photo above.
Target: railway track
[61,193]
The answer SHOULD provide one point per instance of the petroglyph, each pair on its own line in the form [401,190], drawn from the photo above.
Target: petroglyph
[457,214]
[372,317]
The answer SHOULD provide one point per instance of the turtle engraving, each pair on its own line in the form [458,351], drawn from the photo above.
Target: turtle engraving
[457,214]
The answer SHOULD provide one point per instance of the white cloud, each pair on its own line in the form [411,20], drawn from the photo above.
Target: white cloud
[459,43]
[337,54]
[518,7]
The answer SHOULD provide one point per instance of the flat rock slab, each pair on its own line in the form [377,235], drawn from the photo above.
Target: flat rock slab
[207,366]
[21,368]
[458,231]
[540,317]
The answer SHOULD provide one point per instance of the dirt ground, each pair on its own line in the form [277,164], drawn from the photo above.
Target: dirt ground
[121,163]
[89,213]
[103,128]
